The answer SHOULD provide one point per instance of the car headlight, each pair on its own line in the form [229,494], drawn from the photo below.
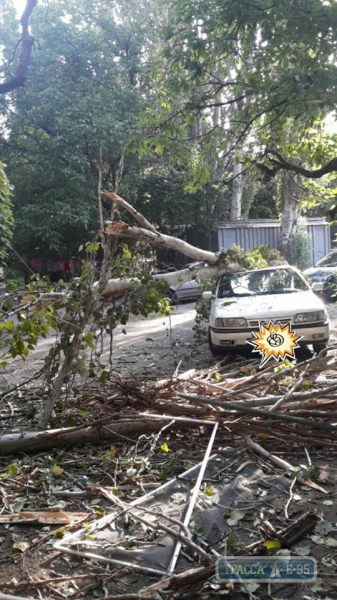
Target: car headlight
[230,322]
[309,317]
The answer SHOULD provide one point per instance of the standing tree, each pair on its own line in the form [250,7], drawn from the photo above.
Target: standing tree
[76,115]
[251,72]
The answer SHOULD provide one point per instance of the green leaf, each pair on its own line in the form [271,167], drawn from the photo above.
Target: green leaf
[159,149]
[12,469]
[272,545]
[235,516]
[57,471]
[164,447]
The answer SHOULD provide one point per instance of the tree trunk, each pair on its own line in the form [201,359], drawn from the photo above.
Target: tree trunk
[291,189]
[235,213]
[99,188]
[69,436]
[118,287]
[64,372]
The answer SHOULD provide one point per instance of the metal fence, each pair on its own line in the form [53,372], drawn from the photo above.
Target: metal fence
[249,234]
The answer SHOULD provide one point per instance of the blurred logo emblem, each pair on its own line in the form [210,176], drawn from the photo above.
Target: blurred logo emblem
[274,341]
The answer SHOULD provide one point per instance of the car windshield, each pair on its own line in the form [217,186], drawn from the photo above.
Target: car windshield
[273,281]
[328,261]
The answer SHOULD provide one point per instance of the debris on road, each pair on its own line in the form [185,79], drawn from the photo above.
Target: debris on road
[225,459]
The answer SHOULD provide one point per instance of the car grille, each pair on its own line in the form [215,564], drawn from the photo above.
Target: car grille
[284,321]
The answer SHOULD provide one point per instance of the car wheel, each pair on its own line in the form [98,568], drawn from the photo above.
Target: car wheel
[215,350]
[319,347]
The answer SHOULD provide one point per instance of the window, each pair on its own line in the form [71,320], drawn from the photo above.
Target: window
[273,281]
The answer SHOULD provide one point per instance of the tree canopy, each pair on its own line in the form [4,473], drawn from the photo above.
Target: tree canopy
[172,103]
[90,79]
[259,77]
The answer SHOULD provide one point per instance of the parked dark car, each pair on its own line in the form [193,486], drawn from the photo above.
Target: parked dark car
[323,276]
[186,292]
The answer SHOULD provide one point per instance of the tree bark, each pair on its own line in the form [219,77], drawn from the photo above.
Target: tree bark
[58,438]
[118,287]
[27,42]
[290,213]
[236,203]
[167,241]
[99,188]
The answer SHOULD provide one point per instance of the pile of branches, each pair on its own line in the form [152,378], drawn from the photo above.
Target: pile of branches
[296,403]
[289,402]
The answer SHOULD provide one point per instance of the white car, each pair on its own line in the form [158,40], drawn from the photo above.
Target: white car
[275,294]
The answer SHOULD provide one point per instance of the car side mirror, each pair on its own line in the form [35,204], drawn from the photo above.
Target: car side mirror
[207,295]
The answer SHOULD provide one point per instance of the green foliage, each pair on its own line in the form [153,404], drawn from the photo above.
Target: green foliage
[38,314]
[262,256]
[6,214]
[156,186]
[203,308]
[266,201]
[86,86]
[269,63]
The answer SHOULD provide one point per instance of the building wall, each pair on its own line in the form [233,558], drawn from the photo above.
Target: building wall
[249,234]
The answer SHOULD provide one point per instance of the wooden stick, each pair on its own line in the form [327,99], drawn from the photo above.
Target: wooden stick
[263,452]
[8,597]
[244,408]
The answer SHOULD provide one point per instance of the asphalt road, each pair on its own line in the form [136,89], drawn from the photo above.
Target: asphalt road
[151,347]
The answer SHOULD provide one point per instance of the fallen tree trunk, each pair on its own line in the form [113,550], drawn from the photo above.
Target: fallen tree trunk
[132,426]
[116,287]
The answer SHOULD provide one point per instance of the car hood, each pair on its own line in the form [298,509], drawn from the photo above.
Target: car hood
[319,273]
[271,306]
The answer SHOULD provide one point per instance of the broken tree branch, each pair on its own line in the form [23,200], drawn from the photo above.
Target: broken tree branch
[290,392]
[117,287]
[119,228]
[283,464]
[8,597]
[124,204]
[245,408]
